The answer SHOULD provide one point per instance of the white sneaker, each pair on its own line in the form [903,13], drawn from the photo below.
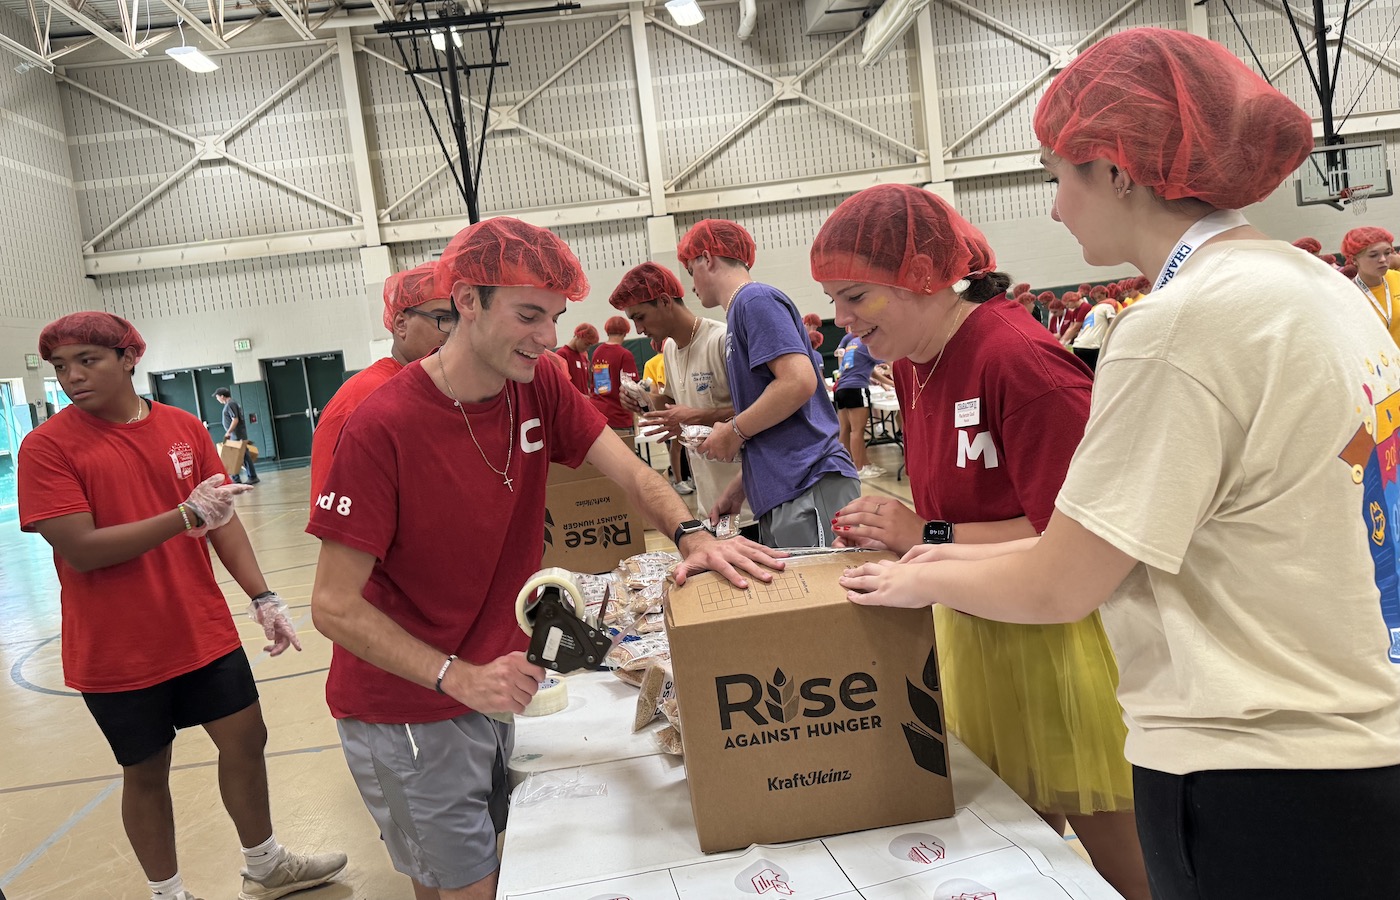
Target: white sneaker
[684,487]
[294,873]
[870,471]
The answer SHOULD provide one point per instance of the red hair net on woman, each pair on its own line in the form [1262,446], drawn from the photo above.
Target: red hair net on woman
[1308,245]
[587,332]
[1358,239]
[99,329]
[1179,113]
[812,320]
[717,237]
[1018,290]
[899,235]
[506,252]
[816,337]
[645,283]
[405,290]
[617,325]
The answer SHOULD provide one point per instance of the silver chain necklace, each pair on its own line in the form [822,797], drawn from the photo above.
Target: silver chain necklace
[510,440]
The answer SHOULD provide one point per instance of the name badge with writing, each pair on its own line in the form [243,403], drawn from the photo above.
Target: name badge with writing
[967,413]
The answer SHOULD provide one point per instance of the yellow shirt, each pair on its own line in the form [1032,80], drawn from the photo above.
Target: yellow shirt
[655,369]
[1388,307]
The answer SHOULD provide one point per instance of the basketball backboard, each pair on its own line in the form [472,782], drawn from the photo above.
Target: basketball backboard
[1342,175]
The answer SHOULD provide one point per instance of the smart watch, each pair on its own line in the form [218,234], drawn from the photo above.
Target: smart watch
[938,532]
[690,526]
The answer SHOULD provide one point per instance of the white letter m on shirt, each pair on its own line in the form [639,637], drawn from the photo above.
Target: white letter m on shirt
[980,446]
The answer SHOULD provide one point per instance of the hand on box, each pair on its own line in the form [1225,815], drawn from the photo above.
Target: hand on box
[878,523]
[505,684]
[883,583]
[212,500]
[729,558]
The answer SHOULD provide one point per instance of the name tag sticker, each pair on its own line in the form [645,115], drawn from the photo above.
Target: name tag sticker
[967,413]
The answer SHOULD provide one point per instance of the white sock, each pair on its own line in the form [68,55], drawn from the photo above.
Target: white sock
[263,858]
[168,889]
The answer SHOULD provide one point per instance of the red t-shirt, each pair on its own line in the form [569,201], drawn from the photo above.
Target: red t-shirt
[609,362]
[996,426]
[149,619]
[333,418]
[453,545]
[580,372]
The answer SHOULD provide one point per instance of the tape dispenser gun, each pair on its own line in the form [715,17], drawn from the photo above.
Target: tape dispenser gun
[563,637]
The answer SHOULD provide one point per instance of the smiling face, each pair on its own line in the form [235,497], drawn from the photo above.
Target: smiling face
[97,379]
[506,335]
[892,322]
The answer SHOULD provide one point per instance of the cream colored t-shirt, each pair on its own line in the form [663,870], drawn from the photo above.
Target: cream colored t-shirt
[698,379]
[1232,449]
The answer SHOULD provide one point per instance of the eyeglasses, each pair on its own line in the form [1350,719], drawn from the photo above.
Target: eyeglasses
[443,321]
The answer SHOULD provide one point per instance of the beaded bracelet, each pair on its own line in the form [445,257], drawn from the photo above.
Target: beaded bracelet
[442,673]
[185,516]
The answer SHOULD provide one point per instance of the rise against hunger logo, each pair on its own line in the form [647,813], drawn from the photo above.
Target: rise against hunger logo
[1373,453]
[182,457]
[926,735]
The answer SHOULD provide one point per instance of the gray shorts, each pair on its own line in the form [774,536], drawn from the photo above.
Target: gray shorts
[805,520]
[438,792]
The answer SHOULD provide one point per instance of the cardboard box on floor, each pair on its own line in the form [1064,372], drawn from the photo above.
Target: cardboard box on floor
[231,454]
[803,714]
[589,523]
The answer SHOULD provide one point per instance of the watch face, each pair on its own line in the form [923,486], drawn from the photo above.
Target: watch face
[938,533]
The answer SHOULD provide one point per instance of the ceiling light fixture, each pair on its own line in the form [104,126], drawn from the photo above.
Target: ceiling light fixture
[191,58]
[440,42]
[685,12]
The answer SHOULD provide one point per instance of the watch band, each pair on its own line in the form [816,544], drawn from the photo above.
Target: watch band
[690,526]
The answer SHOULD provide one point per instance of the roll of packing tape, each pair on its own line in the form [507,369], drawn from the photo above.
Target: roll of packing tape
[551,577]
[553,696]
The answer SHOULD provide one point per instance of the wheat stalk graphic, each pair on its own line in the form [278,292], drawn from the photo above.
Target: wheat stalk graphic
[782,698]
[925,735]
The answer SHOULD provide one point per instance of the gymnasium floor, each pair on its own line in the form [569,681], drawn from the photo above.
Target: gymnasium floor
[60,803]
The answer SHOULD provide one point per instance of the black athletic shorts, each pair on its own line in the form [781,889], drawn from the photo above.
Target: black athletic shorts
[139,724]
[851,398]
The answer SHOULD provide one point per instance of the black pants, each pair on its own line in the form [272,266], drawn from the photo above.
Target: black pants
[1089,357]
[1270,834]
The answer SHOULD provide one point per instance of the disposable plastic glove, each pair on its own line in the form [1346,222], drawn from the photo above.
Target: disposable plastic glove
[213,501]
[270,611]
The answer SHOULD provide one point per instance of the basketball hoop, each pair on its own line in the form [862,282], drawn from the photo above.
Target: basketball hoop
[1356,197]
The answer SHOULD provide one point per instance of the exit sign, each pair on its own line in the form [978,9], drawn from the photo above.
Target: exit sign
[242,345]
[31,361]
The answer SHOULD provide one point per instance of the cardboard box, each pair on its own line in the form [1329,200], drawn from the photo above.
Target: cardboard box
[589,523]
[803,714]
[231,454]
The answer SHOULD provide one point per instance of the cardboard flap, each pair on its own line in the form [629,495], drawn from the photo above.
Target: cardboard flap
[806,582]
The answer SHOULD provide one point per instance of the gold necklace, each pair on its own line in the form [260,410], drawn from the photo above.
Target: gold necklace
[936,360]
[735,294]
[510,441]
[693,329]
[140,412]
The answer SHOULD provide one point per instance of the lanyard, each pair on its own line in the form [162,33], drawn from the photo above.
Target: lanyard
[1218,222]
[1371,295]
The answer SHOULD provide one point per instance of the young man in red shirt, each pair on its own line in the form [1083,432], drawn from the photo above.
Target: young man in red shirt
[419,321]
[611,361]
[431,522]
[117,486]
[575,356]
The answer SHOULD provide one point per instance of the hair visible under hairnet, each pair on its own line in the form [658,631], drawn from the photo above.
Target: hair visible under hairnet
[899,235]
[405,290]
[100,329]
[617,325]
[717,237]
[1179,113]
[506,252]
[645,283]
[1358,239]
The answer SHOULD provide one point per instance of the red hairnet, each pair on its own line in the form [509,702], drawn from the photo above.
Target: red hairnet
[717,237]
[899,235]
[1025,297]
[617,325]
[1349,271]
[645,283]
[1084,288]
[1358,239]
[506,252]
[1022,288]
[1308,244]
[816,337]
[812,320]
[405,290]
[1181,114]
[99,329]
[1046,296]
[587,332]
[1071,298]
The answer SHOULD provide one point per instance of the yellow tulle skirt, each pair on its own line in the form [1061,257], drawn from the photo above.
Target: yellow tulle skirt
[1038,705]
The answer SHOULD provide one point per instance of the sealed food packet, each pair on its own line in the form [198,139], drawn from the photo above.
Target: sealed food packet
[658,685]
[638,392]
[692,436]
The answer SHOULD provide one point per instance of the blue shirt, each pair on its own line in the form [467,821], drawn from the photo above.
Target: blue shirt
[856,364]
[784,461]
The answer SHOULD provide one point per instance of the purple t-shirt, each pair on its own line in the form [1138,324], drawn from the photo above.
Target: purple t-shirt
[856,364]
[784,461]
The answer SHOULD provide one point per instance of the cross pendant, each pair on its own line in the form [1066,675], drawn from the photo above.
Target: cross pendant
[507,483]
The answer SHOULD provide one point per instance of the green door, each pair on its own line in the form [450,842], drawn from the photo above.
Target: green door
[325,373]
[291,406]
[211,412]
[176,389]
